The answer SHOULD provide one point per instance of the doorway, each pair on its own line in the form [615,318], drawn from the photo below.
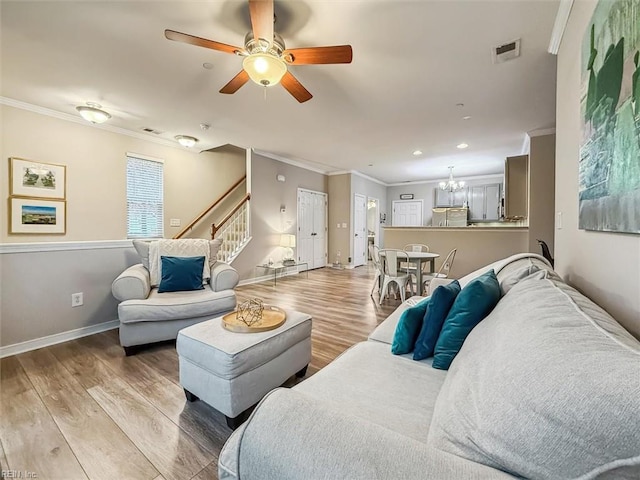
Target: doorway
[359,230]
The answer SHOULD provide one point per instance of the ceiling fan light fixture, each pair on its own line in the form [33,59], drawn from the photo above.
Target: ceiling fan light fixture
[92,113]
[186,140]
[264,69]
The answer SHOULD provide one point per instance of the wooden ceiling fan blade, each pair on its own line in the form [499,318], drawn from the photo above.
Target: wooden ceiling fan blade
[236,82]
[200,42]
[261,12]
[295,88]
[319,55]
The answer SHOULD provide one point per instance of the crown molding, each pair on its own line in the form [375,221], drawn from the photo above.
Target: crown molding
[559,26]
[359,174]
[288,161]
[541,132]
[10,102]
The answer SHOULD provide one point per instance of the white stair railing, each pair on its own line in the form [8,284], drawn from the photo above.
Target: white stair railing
[234,232]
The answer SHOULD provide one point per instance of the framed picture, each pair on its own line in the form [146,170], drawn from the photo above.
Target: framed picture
[35,179]
[406,196]
[36,215]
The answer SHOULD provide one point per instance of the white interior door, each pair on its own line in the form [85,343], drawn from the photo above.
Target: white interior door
[373,223]
[407,213]
[319,230]
[305,227]
[359,230]
[312,228]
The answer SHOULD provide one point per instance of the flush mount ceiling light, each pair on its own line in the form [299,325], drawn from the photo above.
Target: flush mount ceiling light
[91,113]
[417,152]
[451,185]
[462,146]
[186,140]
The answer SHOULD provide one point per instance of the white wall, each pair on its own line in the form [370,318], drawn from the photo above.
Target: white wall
[604,266]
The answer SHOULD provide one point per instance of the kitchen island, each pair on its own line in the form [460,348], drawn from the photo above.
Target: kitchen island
[477,245]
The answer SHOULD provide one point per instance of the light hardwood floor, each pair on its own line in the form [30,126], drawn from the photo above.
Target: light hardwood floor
[82,409]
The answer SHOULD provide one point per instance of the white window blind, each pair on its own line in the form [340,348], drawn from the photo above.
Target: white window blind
[145,209]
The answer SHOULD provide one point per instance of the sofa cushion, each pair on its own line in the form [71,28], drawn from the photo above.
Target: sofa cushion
[439,306]
[385,331]
[181,274]
[176,305]
[369,382]
[408,328]
[472,304]
[509,281]
[547,386]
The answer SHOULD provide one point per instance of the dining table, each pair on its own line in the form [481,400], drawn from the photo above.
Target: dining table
[418,258]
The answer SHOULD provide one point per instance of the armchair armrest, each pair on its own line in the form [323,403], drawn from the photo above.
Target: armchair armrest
[223,277]
[291,436]
[132,284]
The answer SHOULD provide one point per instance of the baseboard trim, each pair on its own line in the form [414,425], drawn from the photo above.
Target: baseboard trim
[264,278]
[56,338]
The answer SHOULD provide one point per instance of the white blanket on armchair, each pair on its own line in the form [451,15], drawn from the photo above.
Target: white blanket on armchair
[192,247]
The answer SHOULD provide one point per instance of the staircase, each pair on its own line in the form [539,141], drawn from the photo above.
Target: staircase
[233,229]
[234,232]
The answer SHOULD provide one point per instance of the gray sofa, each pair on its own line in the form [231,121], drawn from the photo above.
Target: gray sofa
[147,316]
[547,386]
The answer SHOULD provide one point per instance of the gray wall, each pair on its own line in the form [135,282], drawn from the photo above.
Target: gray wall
[426,193]
[267,222]
[339,188]
[37,287]
[604,266]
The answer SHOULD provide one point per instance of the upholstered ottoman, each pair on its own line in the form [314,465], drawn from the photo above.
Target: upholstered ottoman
[233,371]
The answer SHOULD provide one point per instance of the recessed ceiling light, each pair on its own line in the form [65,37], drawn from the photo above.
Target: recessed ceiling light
[462,146]
[371,164]
[207,65]
[459,105]
[466,117]
[417,152]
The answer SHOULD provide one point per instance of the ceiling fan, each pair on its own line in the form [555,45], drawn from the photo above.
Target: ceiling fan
[265,57]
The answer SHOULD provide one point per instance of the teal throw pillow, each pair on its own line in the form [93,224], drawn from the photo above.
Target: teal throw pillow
[441,301]
[408,328]
[472,304]
[181,274]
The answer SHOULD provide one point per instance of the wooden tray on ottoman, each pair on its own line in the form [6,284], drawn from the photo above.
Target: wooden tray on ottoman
[272,317]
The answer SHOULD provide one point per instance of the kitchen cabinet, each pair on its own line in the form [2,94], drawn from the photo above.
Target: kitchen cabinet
[516,187]
[484,202]
[445,198]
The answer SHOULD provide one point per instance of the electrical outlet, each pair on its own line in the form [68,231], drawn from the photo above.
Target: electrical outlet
[77,299]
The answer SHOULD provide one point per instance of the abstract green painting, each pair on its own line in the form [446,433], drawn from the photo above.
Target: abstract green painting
[609,167]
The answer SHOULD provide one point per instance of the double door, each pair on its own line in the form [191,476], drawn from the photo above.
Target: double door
[312,228]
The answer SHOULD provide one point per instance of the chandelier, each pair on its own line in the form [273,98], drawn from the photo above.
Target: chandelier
[451,185]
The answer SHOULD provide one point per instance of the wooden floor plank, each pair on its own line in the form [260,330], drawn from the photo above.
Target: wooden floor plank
[31,439]
[208,428]
[100,446]
[174,453]
[210,472]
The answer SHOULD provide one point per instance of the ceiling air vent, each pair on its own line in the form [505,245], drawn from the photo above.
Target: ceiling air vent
[151,130]
[505,52]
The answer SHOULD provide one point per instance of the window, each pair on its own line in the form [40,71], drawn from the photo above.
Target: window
[145,210]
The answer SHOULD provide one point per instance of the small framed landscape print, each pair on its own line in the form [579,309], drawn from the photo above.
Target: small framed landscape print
[35,179]
[36,215]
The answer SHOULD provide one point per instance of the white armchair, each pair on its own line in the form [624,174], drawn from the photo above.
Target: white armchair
[148,316]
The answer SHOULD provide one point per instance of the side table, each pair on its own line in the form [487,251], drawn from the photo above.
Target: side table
[280,267]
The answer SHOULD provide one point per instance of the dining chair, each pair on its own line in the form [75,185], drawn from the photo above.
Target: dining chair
[443,271]
[374,253]
[416,247]
[392,273]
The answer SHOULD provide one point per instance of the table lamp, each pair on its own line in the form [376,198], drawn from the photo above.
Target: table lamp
[288,241]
